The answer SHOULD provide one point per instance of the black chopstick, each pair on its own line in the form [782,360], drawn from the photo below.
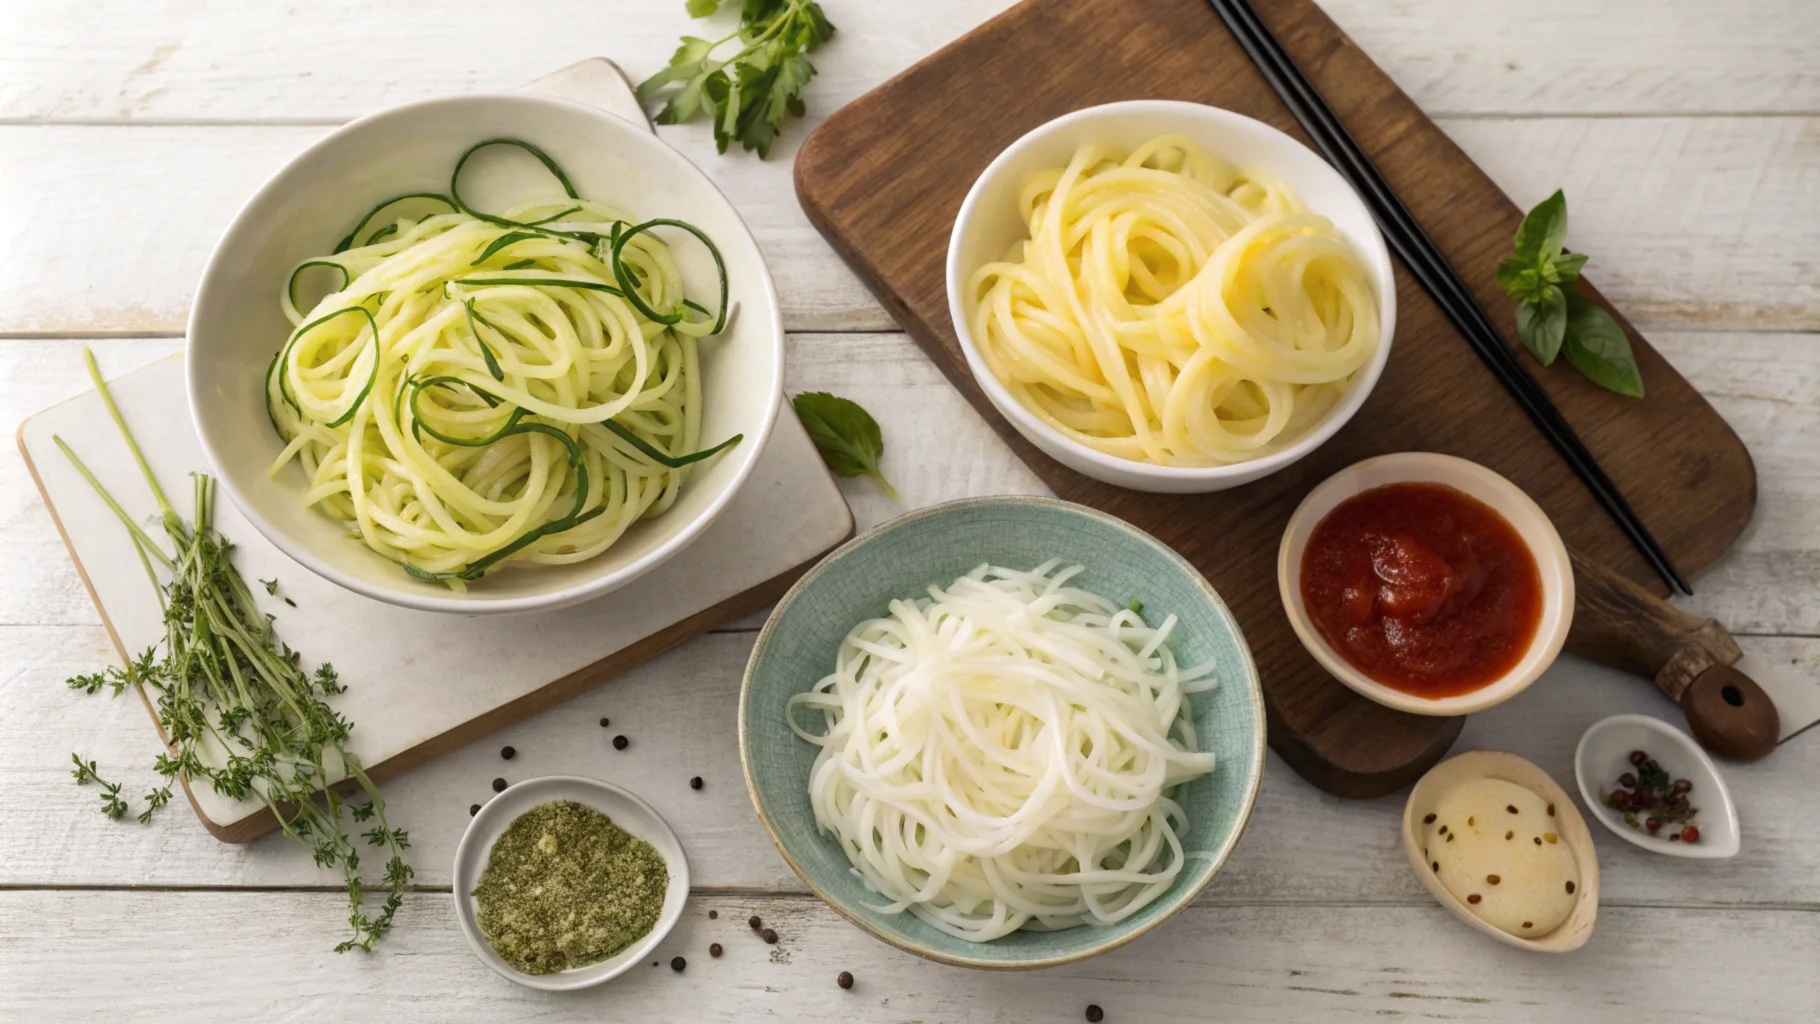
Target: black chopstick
[1425,261]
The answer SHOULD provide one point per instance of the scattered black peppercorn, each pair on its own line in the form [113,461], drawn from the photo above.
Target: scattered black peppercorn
[499,785]
[755,922]
[713,914]
[677,963]
[1570,888]
[620,742]
[508,753]
[1429,820]
[1095,1014]
[604,722]
[713,949]
[770,936]
[845,979]
[695,783]
[473,810]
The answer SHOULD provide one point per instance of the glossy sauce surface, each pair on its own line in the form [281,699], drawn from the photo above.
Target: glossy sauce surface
[1423,588]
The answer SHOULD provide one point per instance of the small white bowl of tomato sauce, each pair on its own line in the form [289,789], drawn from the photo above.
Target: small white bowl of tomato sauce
[1426,582]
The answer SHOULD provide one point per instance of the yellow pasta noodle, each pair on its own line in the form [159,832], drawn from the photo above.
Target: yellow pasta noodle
[1168,308]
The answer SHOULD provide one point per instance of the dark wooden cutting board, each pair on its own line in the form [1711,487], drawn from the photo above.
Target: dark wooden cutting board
[884,177]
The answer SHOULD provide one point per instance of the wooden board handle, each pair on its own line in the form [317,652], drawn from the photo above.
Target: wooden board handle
[1690,658]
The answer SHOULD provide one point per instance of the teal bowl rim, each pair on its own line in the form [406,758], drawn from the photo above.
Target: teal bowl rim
[1253,688]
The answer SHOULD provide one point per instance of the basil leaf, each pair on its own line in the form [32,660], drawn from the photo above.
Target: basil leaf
[1567,267]
[1597,347]
[847,435]
[1518,279]
[1542,324]
[1543,231]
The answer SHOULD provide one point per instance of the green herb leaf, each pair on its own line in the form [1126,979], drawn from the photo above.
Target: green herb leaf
[1543,231]
[1542,324]
[847,436]
[1553,317]
[1597,347]
[271,585]
[1521,280]
[1567,266]
[748,95]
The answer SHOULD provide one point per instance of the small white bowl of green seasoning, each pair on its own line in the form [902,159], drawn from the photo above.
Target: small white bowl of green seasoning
[548,848]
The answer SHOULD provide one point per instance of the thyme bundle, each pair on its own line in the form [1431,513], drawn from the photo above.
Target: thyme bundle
[236,709]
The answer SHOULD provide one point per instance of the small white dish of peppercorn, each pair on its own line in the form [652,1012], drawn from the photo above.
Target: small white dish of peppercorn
[1650,783]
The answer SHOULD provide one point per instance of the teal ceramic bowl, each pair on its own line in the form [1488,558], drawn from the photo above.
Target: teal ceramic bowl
[935,545]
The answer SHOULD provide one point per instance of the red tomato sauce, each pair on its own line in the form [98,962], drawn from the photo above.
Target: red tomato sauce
[1422,588]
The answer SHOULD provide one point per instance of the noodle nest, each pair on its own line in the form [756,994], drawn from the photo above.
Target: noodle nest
[1003,754]
[1168,308]
[478,388]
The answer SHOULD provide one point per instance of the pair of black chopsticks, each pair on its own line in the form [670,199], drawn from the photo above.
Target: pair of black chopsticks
[1423,258]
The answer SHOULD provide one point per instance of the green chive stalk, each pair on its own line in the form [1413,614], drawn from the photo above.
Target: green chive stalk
[236,709]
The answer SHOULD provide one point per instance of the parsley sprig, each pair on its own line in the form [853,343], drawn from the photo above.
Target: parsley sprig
[1553,317]
[239,712]
[748,94]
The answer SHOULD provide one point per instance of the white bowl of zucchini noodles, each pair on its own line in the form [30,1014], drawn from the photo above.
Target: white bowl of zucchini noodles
[485,354]
[1168,296]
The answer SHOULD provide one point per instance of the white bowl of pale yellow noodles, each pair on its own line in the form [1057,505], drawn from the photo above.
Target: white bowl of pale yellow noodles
[485,354]
[1168,296]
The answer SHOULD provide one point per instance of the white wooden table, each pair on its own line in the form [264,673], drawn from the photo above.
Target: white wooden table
[1687,136]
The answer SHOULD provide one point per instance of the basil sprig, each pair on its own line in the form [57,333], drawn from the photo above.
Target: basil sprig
[1553,317]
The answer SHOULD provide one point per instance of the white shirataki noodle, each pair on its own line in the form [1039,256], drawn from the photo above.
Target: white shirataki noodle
[1001,754]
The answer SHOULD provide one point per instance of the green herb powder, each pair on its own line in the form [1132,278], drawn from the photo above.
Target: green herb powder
[565,887]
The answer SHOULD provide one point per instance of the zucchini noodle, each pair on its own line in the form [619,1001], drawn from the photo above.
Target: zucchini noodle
[479,388]
[1000,754]
[1168,308]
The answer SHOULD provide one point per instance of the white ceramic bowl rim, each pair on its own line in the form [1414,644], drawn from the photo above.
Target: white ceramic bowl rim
[1372,251]
[1476,481]
[643,822]
[424,597]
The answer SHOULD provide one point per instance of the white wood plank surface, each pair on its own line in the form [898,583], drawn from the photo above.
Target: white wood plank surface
[1691,222]
[1687,136]
[216,60]
[1217,961]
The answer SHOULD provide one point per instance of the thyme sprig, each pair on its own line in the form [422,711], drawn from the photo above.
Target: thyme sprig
[239,712]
